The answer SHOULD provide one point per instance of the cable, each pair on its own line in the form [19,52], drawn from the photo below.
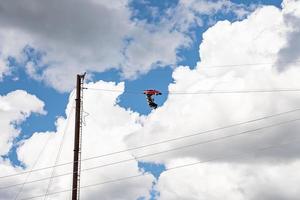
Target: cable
[117,91]
[192,135]
[219,158]
[212,91]
[35,162]
[236,91]
[194,144]
[59,151]
[37,180]
[204,91]
[169,150]
[172,168]
[164,141]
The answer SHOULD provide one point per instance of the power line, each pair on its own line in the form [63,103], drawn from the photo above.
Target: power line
[194,144]
[37,180]
[169,150]
[171,169]
[163,141]
[195,134]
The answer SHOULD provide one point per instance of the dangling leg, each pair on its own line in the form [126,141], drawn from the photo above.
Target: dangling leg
[150,101]
[153,105]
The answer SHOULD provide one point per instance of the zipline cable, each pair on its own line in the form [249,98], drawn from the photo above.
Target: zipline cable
[163,141]
[277,90]
[173,168]
[169,150]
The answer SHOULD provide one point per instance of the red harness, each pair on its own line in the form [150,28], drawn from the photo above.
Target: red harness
[152,92]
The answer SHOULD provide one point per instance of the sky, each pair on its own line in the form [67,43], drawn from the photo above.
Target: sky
[206,140]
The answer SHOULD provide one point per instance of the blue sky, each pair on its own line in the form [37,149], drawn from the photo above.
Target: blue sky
[159,78]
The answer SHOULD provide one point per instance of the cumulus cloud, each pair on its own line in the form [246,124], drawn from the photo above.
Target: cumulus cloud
[15,107]
[289,53]
[256,39]
[188,12]
[236,43]
[94,36]
[219,181]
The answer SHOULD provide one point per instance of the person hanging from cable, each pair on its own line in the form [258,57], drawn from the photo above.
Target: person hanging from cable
[149,96]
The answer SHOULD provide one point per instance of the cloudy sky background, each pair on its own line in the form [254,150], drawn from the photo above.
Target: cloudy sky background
[183,46]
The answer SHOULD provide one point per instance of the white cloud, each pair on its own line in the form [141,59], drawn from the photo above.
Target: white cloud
[79,36]
[11,44]
[290,51]
[187,13]
[256,39]
[238,182]
[15,107]
[248,41]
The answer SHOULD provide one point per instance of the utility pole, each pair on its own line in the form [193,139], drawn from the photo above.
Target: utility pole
[77,138]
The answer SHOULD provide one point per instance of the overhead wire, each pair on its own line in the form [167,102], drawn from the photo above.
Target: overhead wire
[277,90]
[193,144]
[59,150]
[173,168]
[162,141]
[217,91]
[33,166]
[37,180]
[238,91]
[169,150]
[194,134]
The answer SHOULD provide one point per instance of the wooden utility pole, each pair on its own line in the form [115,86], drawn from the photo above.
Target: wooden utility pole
[77,138]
